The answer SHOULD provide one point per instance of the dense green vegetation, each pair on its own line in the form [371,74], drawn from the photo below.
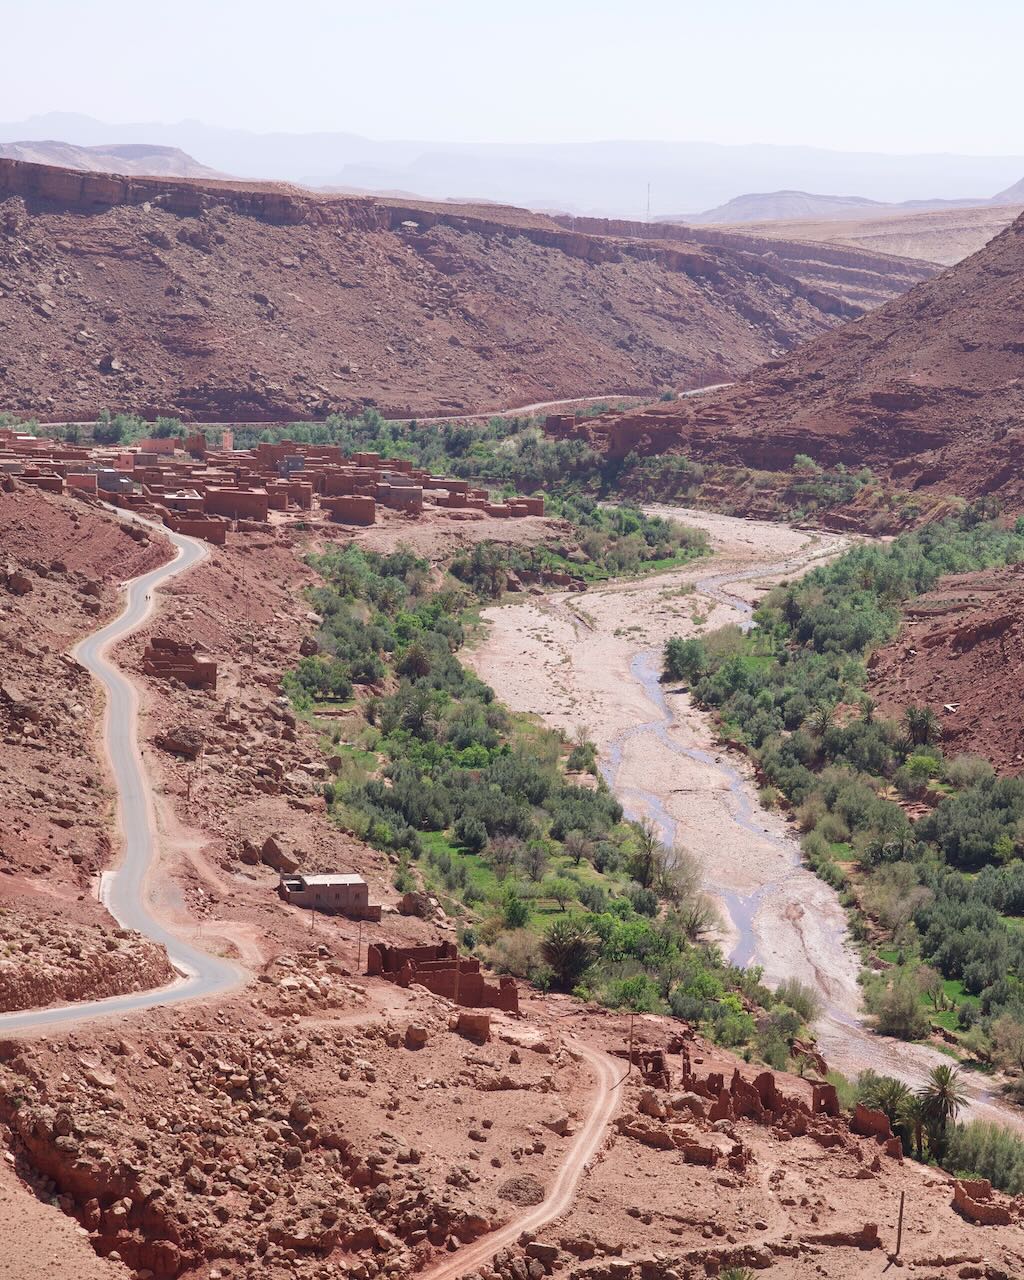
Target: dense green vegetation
[613,542]
[491,812]
[938,899]
[513,454]
[926,1122]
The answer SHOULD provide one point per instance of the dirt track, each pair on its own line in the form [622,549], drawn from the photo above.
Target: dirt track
[561,1192]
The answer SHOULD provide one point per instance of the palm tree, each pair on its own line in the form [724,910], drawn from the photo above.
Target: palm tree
[922,724]
[569,949]
[821,719]
[942,1097]
[888,1095]
[418,714]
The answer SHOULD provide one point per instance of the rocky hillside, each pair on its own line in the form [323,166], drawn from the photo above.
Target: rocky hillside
[927,391]
[259,301]
[862,277]
[961,652]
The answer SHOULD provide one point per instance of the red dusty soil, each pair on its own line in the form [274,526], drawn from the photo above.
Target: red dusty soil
[928,390]
[71,558]
[293,1131]
[295,1128]
[961,647]
[260,302]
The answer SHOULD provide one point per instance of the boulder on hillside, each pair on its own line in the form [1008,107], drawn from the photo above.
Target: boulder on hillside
[181,740]
[272,855]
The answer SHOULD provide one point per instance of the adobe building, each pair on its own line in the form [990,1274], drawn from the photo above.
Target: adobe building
[335,893]
[205,492]
[168,659]
[443,971]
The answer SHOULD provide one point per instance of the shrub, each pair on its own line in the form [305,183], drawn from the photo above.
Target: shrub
[965,771]
[470,833]
[990,1151]
[801,997]
[517,952]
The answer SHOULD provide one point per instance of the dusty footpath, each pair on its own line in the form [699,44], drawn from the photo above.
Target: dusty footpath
[593,662]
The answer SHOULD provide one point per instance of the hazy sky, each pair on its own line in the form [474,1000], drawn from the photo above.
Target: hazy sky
[887,75]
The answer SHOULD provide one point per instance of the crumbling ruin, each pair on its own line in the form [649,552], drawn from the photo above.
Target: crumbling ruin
[440,969]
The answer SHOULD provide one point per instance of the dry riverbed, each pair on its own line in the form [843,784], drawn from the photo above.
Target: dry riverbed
[593,662]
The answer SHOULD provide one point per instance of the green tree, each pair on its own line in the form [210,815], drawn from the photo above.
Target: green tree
[685,659]
[514,911]
[561,888]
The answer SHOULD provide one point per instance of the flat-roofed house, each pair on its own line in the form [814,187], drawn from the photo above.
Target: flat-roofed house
[346,895]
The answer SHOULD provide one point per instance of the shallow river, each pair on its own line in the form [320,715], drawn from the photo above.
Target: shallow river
[592,661]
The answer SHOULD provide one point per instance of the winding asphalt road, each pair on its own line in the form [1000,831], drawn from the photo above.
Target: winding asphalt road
[124,893]
[124,890]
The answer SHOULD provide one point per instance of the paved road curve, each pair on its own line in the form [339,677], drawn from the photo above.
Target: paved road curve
[124,890]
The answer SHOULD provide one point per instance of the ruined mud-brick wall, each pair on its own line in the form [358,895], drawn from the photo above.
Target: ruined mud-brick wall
[440,970]
[168,659]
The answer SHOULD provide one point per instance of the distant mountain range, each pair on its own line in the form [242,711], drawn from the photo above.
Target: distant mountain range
[791,206]
[603,178]
[127,158]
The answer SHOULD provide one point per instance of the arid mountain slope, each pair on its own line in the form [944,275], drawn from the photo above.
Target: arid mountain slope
[863,278]
[260,301]
[961,652]
[769,205]
[126,158]
[928,390]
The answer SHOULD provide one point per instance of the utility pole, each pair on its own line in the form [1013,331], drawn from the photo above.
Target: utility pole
[899,1228]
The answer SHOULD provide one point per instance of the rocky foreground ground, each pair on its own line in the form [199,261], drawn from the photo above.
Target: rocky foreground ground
[317,1123]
